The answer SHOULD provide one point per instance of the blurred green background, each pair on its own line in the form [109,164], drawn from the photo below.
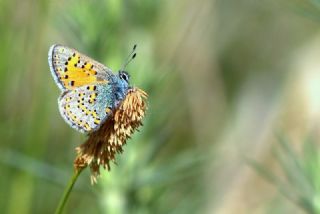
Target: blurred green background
[234,106]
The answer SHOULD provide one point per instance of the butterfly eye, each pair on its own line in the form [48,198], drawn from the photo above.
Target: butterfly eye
[124,75]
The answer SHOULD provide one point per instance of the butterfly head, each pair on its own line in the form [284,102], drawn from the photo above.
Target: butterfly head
[122,84]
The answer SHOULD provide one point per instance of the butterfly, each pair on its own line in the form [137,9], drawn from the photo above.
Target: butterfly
[90,90]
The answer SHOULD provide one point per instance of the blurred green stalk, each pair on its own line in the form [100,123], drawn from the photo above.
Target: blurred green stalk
[67,191]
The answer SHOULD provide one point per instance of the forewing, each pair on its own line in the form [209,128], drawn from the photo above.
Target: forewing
[87,107]
[71,69]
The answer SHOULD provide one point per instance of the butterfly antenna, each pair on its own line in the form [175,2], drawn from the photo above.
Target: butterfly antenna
[130,57]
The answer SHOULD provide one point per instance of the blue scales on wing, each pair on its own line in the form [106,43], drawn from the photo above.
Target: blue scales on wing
[85,108]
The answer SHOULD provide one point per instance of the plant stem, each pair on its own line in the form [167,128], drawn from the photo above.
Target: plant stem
[67,191]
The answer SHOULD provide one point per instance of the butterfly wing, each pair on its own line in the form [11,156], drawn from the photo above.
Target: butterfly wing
[87,107]
[71,69]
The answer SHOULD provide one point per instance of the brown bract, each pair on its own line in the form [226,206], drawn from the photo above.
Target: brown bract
[102,145]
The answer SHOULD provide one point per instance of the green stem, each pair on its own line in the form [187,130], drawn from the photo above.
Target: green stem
[67,191]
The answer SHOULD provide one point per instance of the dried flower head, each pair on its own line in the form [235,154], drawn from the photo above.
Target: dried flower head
[103,144]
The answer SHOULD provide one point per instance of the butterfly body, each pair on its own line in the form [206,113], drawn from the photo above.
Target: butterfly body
[90,91]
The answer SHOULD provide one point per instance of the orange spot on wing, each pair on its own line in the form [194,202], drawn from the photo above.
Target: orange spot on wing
[77,74]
